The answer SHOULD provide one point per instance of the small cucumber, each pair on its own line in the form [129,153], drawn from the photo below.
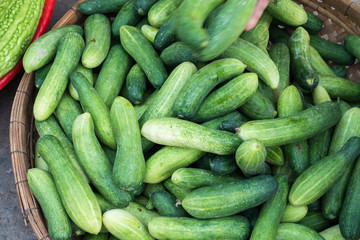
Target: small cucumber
[166,34]
[143,6]
[316,221]
[223,165]
[113,74]
[340,71]
[231,125]
[287,12]
[178,192]
[167,205]
[295,231]
[314,24]
[320,95]
[41,74]
[352,43]
[100,6]
[293,214]
[344,107]
[149,32]
[318,63]
[136,84]
[161,11]
[332,233]
[258,106]
[341,88]
[43,187]
[250,156]
[97,36]
[126,16]
[275,156]
[100,236]
[87,72]
[278,35]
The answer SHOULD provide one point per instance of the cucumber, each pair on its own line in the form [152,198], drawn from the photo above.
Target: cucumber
[275,156]
[271,212]
[284,170]
[202,82]
[339,70]
[143,22]
[204,161]
[293,214]
[41,74]
[316,221]
[110,154]
[136,84]
[100,6]
[167,205]
[278,35]
[91,102]
[235,227]
[103,203]
[149,32]
[250,156]
[150,188]
[43,50]
[287,12]
[87,72]
[125,225]
[97,36]
[178,192]
[331,51]
[143,6]
[227,98]
[177,53]
[351,44]
[75,193]
[266,170]
[126,16]
[161,11]
[332,233]
[223,165]
[141,108]
[304,74]
[318,63]
[191,178]
[258,106]
[252,215]
[228,199]
[314,24]
[344,107]
[296,232]
[113,74]
[320,95]
[320,177]
[76,231]
[95,162]
[140,212]
[139,48]
[100,236]
[39,161]
[129,166]
[166,34]
[255,60]
[142,200]
[297,127]
[181,133]
[231,125]
[341,88]
[43,187]
[67,58]
[280,54]
[139,190]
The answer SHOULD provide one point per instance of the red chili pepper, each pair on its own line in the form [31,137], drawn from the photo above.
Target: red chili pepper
[42,26]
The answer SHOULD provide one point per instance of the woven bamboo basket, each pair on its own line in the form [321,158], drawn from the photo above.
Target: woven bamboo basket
[340,18]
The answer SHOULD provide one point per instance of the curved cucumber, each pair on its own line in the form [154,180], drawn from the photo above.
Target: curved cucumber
[87,72]
[287,12]
[341,88]
[167,205]
[250,156]
[258,106]
[352,43]
[293,214]
[100,6]
[161,11]
[136,84]
[296,232]
[143,6]
[126,16]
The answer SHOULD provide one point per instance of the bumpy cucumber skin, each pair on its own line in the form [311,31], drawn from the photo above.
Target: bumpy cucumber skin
[352,43]
[40,75]
[166,34]
[202,82]
[316,221]
[235,227]
[92,103]
[223,165]
[313,24]
[293,214]
[161,11]
[228,199]
[298,156]
[82,207]
[177,53]
[113,74]
[87,72]
[275,156]
[144,54]
[129,166]
[136,84]
[287,12]
[166,204]
[341,88]
[177,191]
[250,156]
[100,6]
[142,7]
[126,16]
[43,187]
[269,219]
[67,58]
[258,106]
[318,63]
[296,232]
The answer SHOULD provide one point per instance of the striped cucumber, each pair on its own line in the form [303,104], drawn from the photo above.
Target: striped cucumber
[293,214]
[258,106]
[332,233]
[296,232]
[167,205]
[136,84]
[87,72]
[250,156]
[126,16]
[275,156]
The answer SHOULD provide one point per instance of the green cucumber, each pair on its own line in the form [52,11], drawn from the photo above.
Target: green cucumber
[223,165]
[297,127]
[66,113]
[181,133]
[304,73]
[275,156]
[318,63]
[100,236]
[142,7]
[293,214]
[136,84]
[231,125]
[129,166]
[167,205]
[150,188]
[250,156]
[284,170]
[166,34]
[161,11]
[143,214]
[314,24]
[266,169]
[271,212]
[255,60]
[39,161]
[41,74]
[126,16]
[258,106]
[110,154]
[177,191]
[344,107]
[95,162]
[316,221]
[87,72]
[287,12]
[75,193]
[124,225]
[144,54]
[113,74]
[295,231]
[177,53]
[352,43]
[43,187]
[100,6]
[332,233]
[202,82]
[76,231]
[252,215]
[67,58]
[204,161]
[43,50]
[191,178]
[278,35]
[235,227]
[227,98]
[142,200]
[141,108]
[97,36]
[320,177]
[339,70]
[341,88]
[320,95]
[103,203]
[149,32]
[91,102]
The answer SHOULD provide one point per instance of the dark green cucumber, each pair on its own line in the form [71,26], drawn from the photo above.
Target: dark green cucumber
[100,236]
[91,102]
[100,6]
[228,199]
[43,187]
[142,7]
[143,22]
[144,54]
[67,58]
[320,177]
[193,94]
[178,192]
[267,91]
[66,113]
[41,74]
[139,190]
[318,64]
[252,215]
[126,16]
[250,156]
[278,35]
[113,74]
[271,212]
[258,106]
[341,88]
[136,84]
[235,227]
[331,51]
[295,231]
[275,156]
[161,11]
[150,188]
[167,205]
[231,125]
[204,161]
[316,221]
[344,107]
[142,200]
[339,70]
[284,170]
[287,12]
[304,74]
[297,127]
[95,162]
[332,233]
[166,34]
[191,178]
[223,165]
[352,43]
[87,72]
[314,24]
[293,213]
[177,53]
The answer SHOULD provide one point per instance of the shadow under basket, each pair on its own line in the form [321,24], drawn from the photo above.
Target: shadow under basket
[340,18]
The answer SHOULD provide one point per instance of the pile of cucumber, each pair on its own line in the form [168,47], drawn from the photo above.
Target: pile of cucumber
[171,122]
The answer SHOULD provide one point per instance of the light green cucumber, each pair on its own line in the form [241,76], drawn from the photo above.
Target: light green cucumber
[320,95]
[296,232]
[250,156]
[332,233]
[318,63]
[141,212]
[275,156]
[293,214]
[161,11]
[149,32]
[87,72]
[287,12]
